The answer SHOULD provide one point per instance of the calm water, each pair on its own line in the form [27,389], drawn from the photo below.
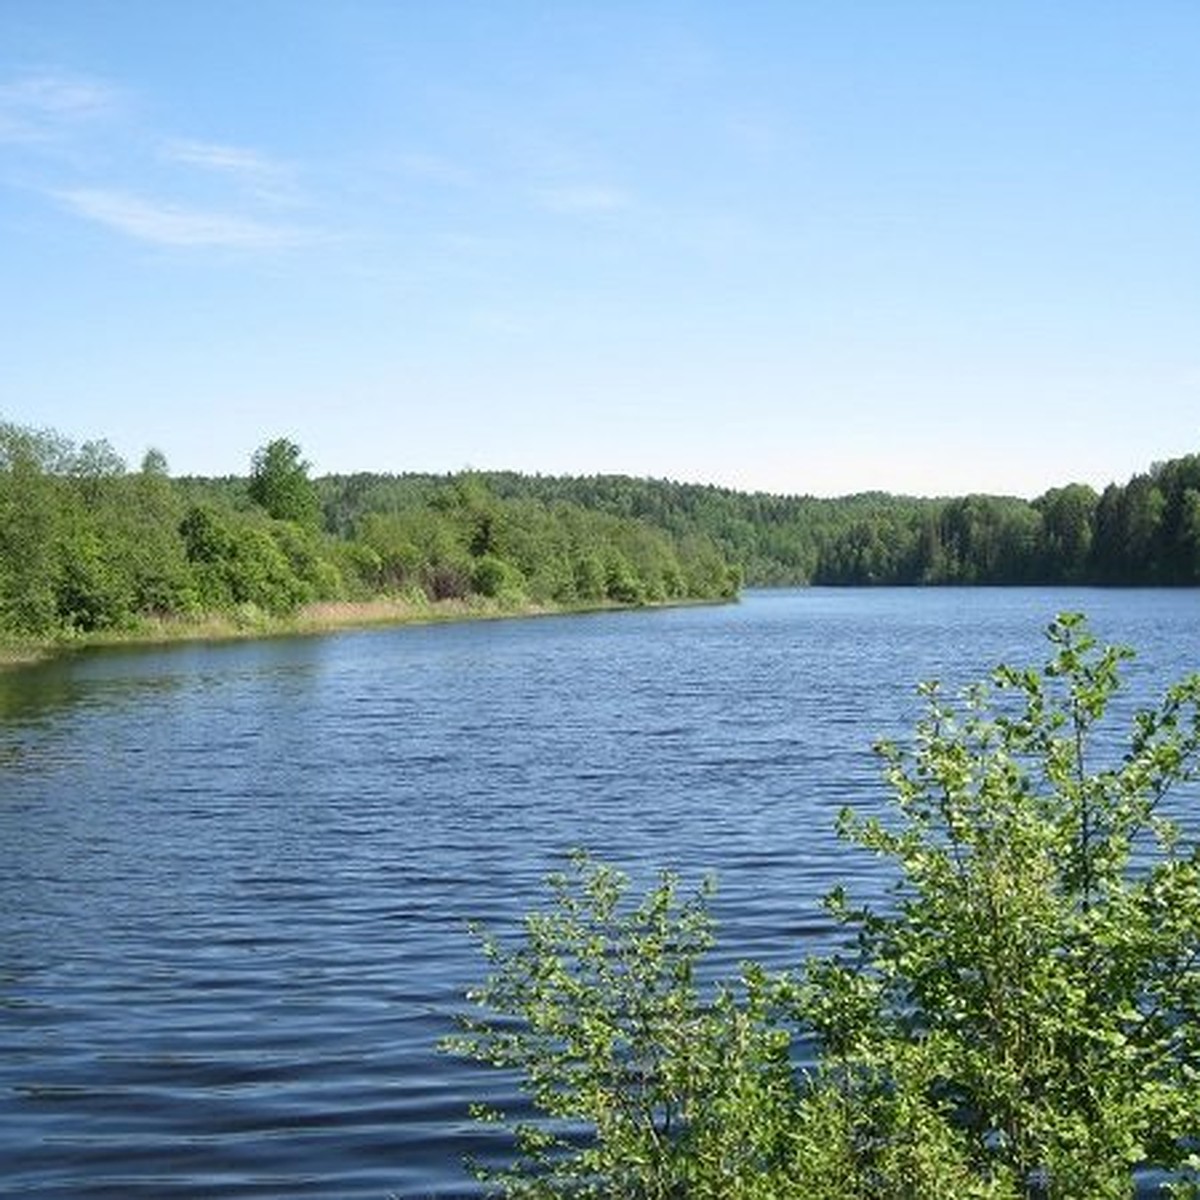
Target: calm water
[234,878]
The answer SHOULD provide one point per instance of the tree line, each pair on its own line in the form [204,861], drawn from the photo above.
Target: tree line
[1144,532]
[87,544]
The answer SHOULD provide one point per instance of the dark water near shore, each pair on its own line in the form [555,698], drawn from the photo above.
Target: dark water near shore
[234,878]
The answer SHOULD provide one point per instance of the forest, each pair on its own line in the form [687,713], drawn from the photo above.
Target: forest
[1145,532]
[87,545]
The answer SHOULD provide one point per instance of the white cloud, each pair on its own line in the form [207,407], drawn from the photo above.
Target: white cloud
[84,131]
[266,178]
[173,225]
[584,199]
[37,107]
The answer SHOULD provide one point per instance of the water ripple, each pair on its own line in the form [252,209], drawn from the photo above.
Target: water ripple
[235,880]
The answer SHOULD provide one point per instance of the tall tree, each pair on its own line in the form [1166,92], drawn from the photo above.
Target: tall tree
[30,521]
[280,484]
[1068,520]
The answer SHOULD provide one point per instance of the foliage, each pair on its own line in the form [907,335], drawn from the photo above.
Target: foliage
[85,545]
[1023,1020]
[1042,965]
[601,1013]
[497,579]
[29,515]
[1146,531]
[279,483]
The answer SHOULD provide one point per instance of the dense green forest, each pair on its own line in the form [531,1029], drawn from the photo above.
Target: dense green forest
[1146,531]
[87,544]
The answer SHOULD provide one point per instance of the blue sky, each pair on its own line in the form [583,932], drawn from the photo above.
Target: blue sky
[803,247]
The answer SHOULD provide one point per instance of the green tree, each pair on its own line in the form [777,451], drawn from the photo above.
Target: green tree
[154,465]
[148,529]
[279,483]
[1068,516]
[621,582]
[1179,482]
[1188,548]
[95,465]
[1144,506]
[30,527]
[497,579]
[589,576]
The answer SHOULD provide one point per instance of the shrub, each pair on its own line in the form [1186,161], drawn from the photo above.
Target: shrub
[497,579]
[610,1034]
[1039,972]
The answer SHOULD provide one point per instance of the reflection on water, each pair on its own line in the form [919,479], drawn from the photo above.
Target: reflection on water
[234,878]
[27,694]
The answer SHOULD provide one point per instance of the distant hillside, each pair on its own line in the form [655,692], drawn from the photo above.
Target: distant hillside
[1146,531]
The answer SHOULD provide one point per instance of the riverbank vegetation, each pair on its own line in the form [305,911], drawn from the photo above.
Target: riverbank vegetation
[1022,1022]
[1145,532]
[89,549]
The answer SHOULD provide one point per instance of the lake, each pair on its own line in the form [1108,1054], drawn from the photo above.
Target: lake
[234,878]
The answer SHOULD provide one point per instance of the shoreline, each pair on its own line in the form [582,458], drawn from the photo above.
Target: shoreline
[310,620]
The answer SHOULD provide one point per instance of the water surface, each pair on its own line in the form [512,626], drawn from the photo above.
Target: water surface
[234,878]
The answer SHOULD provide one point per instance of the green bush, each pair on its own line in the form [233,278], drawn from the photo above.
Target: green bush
[1041,966]
[497,579]
[621,582]
[1022,1021]
[680,1095]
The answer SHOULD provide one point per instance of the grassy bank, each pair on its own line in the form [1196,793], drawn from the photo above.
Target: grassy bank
[325,617]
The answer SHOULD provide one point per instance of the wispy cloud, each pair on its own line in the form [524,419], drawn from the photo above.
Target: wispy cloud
[266,178]
[584,199]
[69,135]
[40,106]
[166,224]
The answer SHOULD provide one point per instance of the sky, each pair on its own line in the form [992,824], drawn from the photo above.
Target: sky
[804,247]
